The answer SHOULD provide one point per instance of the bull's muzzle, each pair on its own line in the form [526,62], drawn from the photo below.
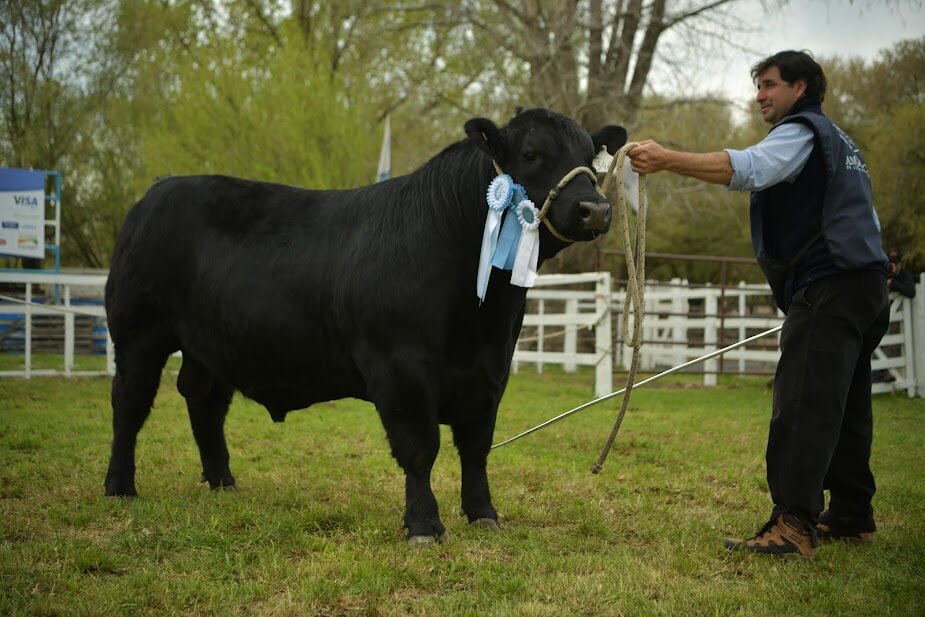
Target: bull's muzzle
[595,215]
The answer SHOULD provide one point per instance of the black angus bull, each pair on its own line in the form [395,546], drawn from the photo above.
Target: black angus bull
[295,296]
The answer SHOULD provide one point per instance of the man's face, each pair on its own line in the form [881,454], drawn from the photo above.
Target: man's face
[775,96]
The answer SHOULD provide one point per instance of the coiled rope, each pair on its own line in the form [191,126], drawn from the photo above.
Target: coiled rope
[635,286]
[635,267]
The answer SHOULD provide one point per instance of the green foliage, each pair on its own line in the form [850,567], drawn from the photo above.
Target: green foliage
[314,528]
[286,119]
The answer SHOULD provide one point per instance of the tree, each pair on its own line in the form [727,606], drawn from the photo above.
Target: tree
[592,59]
[57,72]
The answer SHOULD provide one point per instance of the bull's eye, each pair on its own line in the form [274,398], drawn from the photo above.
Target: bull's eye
[530,155]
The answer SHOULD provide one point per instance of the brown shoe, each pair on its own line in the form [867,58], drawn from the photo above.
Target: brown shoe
[786,535]
[857,538]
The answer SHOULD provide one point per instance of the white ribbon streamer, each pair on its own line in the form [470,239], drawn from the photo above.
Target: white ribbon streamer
[499,194]
[523,274]
[489,242]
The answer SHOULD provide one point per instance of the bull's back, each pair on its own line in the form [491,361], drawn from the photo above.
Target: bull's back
[228,266]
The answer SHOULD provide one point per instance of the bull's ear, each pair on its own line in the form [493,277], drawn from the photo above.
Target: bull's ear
[484,134]
[612,136]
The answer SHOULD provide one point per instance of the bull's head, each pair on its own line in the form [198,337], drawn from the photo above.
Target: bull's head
[538,148]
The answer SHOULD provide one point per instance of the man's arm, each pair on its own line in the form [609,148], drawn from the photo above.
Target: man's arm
[649,157]
[903,283]
[779,157]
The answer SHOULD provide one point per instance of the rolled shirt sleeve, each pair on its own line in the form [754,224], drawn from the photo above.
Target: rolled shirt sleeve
[779,157]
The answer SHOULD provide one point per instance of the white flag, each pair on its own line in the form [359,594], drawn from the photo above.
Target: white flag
[385,155]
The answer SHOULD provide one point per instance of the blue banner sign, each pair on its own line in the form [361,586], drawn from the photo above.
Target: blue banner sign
[22,213]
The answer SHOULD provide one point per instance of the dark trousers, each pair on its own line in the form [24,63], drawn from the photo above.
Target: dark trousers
[822,425]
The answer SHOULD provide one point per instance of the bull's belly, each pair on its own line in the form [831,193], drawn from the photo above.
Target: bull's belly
[279,401]
[283,377]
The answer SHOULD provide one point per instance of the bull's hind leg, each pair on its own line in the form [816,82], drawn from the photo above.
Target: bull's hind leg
[138,372]
[207,401]
[473,441]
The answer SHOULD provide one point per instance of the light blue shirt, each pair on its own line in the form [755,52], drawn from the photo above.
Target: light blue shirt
[779,157]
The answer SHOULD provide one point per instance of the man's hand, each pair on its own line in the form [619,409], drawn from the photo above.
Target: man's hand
[649,157]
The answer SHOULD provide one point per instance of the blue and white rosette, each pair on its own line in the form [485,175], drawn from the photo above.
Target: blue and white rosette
[499,196]
[506,250]
[523,272]
[514,244]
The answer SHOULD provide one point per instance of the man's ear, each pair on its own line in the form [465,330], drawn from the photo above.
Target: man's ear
[484,134]
[799,88]
[612,136]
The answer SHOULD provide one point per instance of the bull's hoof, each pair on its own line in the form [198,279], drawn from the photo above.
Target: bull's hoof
[117,488]
[226,483]
[487,523]
[427,540]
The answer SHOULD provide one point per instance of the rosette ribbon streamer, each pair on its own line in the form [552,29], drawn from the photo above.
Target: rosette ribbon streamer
[523,271]
[499,196]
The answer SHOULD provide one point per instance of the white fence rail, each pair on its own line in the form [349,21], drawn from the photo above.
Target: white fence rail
[64,289]
[556,317]
[683,323]
[568,322]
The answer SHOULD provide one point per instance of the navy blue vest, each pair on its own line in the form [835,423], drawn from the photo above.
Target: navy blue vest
[824,221]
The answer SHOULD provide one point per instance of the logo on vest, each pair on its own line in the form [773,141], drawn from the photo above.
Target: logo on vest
[853,160]
[855,163]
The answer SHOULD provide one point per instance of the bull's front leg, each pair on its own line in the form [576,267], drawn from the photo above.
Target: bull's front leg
[415,441]
[473,441]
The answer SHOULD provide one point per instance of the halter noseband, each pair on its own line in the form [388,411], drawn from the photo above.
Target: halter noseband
[554,193]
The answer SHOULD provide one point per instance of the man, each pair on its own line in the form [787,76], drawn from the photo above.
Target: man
[817,238]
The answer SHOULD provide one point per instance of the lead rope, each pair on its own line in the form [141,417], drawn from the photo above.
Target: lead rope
[635,287]
[635,268]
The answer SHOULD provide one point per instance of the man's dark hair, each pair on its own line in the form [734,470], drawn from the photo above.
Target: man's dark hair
[794,66]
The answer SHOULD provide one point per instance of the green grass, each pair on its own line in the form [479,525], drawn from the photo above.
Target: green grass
[55,362]
[315,527]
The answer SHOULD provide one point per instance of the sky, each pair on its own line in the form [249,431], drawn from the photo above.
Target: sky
[825,27]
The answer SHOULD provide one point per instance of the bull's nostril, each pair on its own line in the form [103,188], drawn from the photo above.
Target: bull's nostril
[595,216]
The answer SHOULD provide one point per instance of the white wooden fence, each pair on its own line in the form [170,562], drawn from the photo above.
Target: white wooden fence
[569,323]
[560,308]
[64,288]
